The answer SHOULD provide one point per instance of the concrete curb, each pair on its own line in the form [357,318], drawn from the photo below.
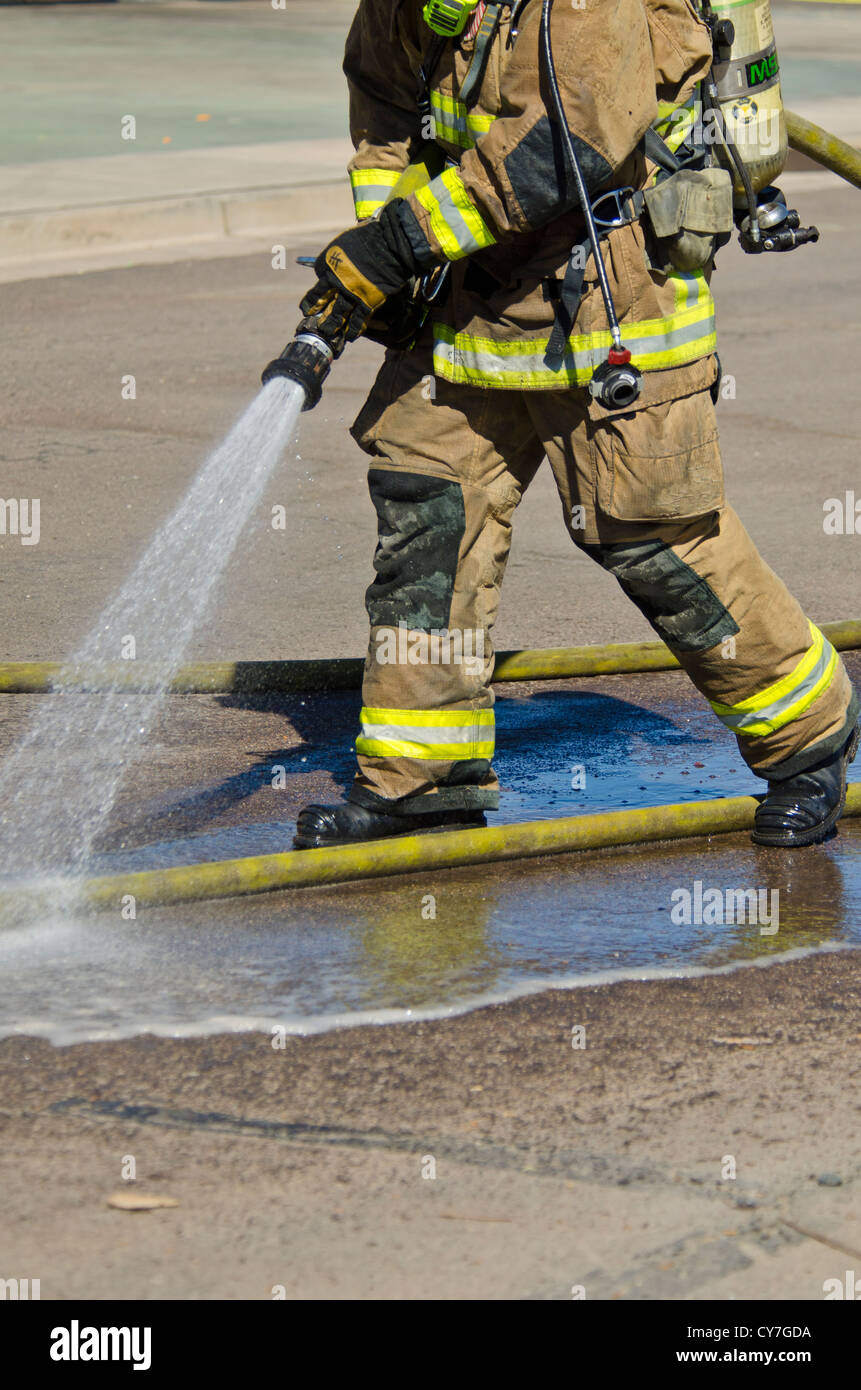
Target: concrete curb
[287,213]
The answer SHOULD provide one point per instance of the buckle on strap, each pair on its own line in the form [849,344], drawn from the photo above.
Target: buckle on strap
[610,210]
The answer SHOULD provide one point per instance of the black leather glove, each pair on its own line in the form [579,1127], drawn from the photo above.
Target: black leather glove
[358,272]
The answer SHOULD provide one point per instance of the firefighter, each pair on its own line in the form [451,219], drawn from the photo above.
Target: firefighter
[511,350]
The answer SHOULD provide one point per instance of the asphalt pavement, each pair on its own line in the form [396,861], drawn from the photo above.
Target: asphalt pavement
[603,1168]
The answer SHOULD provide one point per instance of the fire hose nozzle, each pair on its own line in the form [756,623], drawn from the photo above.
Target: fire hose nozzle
[306,360]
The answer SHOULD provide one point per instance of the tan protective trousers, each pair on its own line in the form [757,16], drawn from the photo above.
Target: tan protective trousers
[642,493]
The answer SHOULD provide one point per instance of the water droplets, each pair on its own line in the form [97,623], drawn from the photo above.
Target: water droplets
[55,819]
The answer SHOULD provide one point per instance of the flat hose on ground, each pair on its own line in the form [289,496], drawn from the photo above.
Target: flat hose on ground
[308,868]
[345,673]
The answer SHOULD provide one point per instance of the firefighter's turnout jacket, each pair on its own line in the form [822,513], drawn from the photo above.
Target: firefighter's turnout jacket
[506,214]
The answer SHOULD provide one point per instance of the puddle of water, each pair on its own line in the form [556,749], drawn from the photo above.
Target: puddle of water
[307,961]
[559,753]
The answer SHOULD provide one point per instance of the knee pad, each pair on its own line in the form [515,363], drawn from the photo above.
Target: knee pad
[679,604]
[421,523]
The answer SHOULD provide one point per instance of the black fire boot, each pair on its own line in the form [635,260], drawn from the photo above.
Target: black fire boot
[803,809]
[350,823]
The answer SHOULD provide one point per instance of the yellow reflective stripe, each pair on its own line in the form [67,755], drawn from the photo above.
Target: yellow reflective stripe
[785,685]
[677,128]
[477,123]
[443,102]
[674,124]
[449,133]
[691,290]
[441,752]
[455,123]
[679,132]
[788,698]
[445,735]
[360,178]
[456,222]
[676,357]
[371,188]
[430,718]
[670,116]
[521,364]
[455,136]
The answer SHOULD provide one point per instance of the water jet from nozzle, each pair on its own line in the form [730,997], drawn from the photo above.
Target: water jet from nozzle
[305,360]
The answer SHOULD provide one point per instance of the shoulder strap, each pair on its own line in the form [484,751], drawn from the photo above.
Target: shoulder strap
[483,39]
[659,152]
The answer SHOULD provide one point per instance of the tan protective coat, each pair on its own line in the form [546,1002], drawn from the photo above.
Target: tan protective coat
[616,60]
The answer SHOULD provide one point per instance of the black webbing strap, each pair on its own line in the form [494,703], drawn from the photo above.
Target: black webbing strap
[483,39]
[569,298]
[659,152]
[626,207]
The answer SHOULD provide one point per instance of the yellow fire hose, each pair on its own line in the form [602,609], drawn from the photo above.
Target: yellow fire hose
[448,849]
[345,673]
[826,149]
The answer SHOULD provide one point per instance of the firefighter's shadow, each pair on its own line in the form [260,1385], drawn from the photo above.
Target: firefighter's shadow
[325,726]
[606,729]
[531,733]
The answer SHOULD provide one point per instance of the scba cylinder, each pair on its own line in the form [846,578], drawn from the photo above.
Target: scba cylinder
[747,74]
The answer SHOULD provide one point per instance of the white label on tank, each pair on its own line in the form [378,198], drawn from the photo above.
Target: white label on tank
[764,24]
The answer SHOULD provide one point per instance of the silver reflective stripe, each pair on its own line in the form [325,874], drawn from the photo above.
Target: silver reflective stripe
[467,243]
[676,337]
[371,192]
[429,734]
[692,285]
[449,120]
[797,694]
[527,363]
[460,127]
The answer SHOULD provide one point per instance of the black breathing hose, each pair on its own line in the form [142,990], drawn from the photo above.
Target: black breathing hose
[582,191]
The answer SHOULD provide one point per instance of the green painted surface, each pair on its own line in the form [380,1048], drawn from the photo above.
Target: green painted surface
[69,74]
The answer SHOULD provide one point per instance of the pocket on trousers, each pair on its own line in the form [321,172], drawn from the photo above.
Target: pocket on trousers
[661,461]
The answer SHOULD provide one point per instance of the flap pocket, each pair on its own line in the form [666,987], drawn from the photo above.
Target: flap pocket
[660,462]
[691,201]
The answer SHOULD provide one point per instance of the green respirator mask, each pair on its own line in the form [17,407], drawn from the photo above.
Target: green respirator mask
[448,17]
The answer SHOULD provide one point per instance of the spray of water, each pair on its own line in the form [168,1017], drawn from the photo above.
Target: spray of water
[58,787]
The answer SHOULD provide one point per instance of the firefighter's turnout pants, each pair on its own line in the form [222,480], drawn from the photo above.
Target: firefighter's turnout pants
[642,494]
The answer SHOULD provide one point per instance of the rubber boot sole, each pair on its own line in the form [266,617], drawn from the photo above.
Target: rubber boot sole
[817,833]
